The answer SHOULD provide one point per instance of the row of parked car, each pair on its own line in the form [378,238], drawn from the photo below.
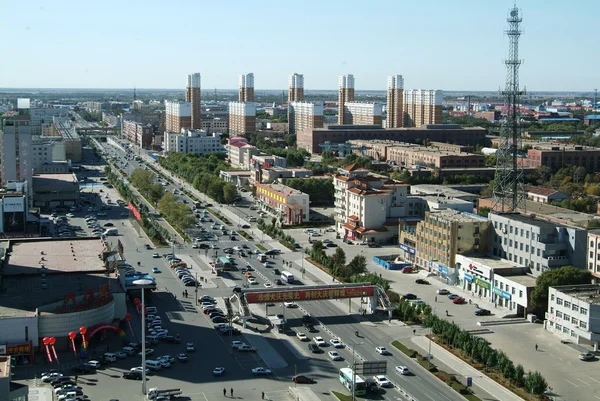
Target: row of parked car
[64,387]
[184,275]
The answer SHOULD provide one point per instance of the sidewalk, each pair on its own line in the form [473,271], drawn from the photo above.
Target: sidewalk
[458,367]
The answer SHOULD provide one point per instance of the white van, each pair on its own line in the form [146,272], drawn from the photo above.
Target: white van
[152,339]
[111,231]
[153,365]
[110,357]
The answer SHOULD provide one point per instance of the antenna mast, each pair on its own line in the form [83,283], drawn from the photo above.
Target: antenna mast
[509,194]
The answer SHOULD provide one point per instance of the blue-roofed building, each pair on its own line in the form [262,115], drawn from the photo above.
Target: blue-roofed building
[591,119]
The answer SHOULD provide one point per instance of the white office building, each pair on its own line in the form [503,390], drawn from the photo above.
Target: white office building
[574,313]
[192,141]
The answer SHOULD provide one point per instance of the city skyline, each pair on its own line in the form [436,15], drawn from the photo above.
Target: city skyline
[456,48]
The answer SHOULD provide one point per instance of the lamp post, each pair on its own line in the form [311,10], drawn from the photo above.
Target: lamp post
[354,370]
[143,284]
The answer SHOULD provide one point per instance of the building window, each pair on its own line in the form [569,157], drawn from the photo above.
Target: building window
[559,301]
[511,229]
[510,243]
[575,308]
[567,317]
[527,234]
[520,293]
[567,304]
[583,311]
[575,321]
[558,327]
[521,232]
[559,314]
[526,248]
[565,330]
[551,310]
[583,324]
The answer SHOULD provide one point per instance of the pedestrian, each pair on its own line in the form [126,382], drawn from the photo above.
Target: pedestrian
[263,395]
[224,392]
[436,299]
[231,391]
[446,312]
[76,377]
[536,347]
[414,332]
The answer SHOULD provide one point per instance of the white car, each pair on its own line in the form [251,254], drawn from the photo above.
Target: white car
[218,371]
[382,350]
[49,377]
[268,285]
[95,364]
[149,351]
[261,371]
[139,369]
[319,341]
[236,344]
[382,381]
[252,280]
[403,370]
[336,343]
[334,356]
[290,304]
[190,347]
[65,388]
[302,337]
[237,248]
[182,357]
[70,215]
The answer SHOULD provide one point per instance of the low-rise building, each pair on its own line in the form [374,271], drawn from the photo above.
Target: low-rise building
[573,313]
[292,206]
[9,390]
[409,155]
[54,190]
[62,128]
[280,173]
[239,178]
[215,125]
[443,234]
[544,195]
[593,254]
[192,141]
[558,156]
[240,152]
[445,191]
[503,283]
[529,240]
[111,119]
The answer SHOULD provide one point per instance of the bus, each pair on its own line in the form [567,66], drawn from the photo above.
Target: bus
[347,380]
[287,277]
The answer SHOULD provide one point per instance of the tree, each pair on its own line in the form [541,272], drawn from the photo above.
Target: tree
[566,275]
[483,211]
[142,180]
[229,193]
[535,383]
[339,257]
[155,193]
[357,265]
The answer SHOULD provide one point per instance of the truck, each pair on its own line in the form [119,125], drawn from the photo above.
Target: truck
[155,393]
[261,257]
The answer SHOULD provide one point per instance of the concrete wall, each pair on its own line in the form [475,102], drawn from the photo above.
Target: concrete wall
[19,330]
[59,325]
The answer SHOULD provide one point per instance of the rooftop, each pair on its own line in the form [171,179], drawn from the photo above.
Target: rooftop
[454,215]
[589,293]
[283,189]
[55,183]
[432,189]
[531,219]
[540,190]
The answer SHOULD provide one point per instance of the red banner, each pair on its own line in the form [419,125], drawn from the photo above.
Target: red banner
[309,295]
[134,210]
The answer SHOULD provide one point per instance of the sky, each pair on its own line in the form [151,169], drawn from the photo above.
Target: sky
[433,44]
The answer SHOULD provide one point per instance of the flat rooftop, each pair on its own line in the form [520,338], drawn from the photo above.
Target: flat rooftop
[589,293]
[533,220]
[455,215]
[68,255]
[496,264]
[432,189]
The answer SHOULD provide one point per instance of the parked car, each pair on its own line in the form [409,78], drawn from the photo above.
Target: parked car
[443,291]
[260,371]
[421,281]
[302,379]
[586,356]
[409,296]
[458,301]
[482,312]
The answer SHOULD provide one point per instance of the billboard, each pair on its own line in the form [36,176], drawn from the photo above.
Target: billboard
[135,212]
[309,295]
[13,204]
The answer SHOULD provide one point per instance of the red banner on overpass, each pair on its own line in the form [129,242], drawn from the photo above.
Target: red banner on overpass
[309,295]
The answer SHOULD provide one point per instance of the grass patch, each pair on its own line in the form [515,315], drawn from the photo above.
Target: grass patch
[219,216]
[410,352]
[262,248]
[342,397]
[245,235]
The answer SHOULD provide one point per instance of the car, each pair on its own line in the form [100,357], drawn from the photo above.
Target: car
[302,336]
[277,272]
[219,319]
[121,355]
[331,245]
[403,370]
[246,348]
[268,285]
[109,225]
[95,364]
[61,381]
[155,270]
[155,255]
[483,312]
[148,246]
[252,280]
[374,245]
[139,370]
[409,296]
[190,283]
[382,381]
[314,348]
[134,375]
[261,371]
[215,313]
[70,215]
[168,358]
[452,296]
[82,369]
[207,298]
[421,281]
[289,304]
[458,301]
[51,376]
[189,347]
[335,356]
[586,356]
[66,387]
[182,357]
[319,341]
[302,379]
[311,328]
[149,351]
[218,371]
[336,343]
[307,318]
[382,351]
[443,291]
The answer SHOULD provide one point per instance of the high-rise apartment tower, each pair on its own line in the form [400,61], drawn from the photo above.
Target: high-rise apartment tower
[422,107]
[246,93]
[296,88]
[395,101]
[193,90]
[345,95]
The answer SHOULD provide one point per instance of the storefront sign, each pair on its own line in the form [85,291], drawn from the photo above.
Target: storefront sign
[436,266]
[501,293]
[407,248]
[468,278]
[482,283]
[473,267]
[308,295]
[13,204]
[18,349]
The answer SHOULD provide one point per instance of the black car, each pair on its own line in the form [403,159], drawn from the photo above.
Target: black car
[171,339]
[276,271]
[409,296]
[208,205]
[132,375]
[421,281]
[233,238]
[83,369]
[147,246]
[310,328]
[215,313]
[203,246]
[482,312]
[314,348]
[374,245]
[245,226]
[307,319]
[58,381]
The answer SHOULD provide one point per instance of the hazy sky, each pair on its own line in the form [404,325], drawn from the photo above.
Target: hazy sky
[434,44]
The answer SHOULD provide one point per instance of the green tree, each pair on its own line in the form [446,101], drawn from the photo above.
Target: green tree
[142,180]
[357,265]
[339,257]
[566,275]
[535,383]
[155,193]
[229,193]
[483,211]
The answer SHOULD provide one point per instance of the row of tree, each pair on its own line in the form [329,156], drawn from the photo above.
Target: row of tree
[480,351]
[272,230]
[177,213]
[353,272]
[203,172]
[145,182]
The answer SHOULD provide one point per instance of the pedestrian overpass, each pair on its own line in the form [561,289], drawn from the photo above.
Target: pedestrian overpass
[373,296]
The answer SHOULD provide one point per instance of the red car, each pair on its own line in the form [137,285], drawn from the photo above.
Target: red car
[458,300]
[302,379]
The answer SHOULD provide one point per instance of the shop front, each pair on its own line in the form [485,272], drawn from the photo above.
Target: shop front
[22,354]
[448,274]
[482,287]
[408,254]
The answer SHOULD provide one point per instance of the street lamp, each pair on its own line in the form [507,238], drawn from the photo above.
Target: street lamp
[143,284]
[354,370]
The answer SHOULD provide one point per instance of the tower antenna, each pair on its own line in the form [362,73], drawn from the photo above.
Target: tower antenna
[509,193]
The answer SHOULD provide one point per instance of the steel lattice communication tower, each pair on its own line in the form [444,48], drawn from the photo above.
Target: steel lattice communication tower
[509,194]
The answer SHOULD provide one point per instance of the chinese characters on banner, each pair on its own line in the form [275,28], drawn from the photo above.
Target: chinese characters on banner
[308,295]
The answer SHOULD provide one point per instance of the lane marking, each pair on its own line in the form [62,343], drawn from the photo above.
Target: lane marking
[570,382]
[587,384]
